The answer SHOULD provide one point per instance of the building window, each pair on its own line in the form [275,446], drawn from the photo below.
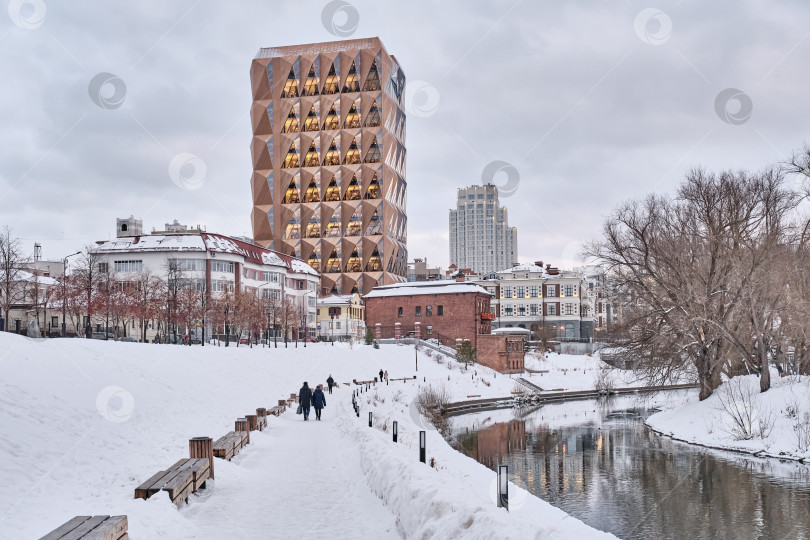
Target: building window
[270,276]
[104,267]
[533,291]
[521,291]
[428,311]
[533,310]
[439,311]
[551,291]
[221,285]
[54,322]
[569,309]
[418,311]
[507,292]
[509,310]
[399,312]
[522,311]
[128,266]
[222,266]
[552,309]
[569,290]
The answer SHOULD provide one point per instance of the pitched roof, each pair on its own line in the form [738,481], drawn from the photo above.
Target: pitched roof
[425,287]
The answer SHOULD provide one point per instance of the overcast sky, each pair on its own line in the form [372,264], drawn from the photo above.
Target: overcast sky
[590,102]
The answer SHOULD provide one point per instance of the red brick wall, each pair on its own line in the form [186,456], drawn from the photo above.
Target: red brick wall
[461,319]
[492,352]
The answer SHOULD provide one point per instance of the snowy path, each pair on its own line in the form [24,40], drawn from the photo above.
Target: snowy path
[280,486]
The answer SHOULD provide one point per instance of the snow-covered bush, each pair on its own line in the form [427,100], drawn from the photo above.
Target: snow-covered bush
[801,430]
[603,381]
[742,418]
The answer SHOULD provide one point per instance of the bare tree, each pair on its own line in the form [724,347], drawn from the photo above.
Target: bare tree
[88,276]
[12,262]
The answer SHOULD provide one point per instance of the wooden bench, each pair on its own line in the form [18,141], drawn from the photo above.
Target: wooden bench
[294,398]
[87,527]
[229,445]
[179,481]
[355,381]
[282,403]
[403,378]
[275,411]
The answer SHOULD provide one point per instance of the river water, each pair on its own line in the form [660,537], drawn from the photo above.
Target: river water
[599,462]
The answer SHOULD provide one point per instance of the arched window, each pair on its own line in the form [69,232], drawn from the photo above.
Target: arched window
[332,156]
[311,159]
[374,117]
[332,121]
[373,191]
[311,123]
[354,263]
[352,154]
[291,159]
[332,191]
[311,84]
[291,195]
[353,118]
[373,154]
[291,123]
[352,191]
[311,194]
[373,79]
[331,86]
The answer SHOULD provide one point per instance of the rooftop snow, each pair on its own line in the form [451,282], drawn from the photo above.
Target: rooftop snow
[425,287]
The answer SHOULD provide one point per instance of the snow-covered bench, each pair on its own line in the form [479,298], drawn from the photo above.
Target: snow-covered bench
[179,481]
[275,411]
[106,527]
[229,445]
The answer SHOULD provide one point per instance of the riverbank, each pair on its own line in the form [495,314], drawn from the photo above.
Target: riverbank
[739,418]
[87,421]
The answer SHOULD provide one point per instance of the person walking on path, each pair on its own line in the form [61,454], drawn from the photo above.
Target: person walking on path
[318,401]
[381,375]
[330,382]
[305,399]
[386,376]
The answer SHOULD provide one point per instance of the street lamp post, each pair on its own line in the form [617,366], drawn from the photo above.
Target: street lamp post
[257,291]
[64,290]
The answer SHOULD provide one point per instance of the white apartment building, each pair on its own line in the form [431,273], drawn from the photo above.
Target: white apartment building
[480,236]
[341,317]
[549,302]
[215,263]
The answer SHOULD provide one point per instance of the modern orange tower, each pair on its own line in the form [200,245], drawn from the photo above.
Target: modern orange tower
[328,155]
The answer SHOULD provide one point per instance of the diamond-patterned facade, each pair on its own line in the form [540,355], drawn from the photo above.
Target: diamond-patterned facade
[328,154]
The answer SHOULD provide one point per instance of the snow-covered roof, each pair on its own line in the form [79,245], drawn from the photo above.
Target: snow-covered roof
[28,277]
[202,242]
[528,267]
[425,287]
[335,299]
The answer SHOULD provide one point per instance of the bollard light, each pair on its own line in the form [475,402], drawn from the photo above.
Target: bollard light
[369,418]
[422,445]
[357,410]
[395,431]
[503,487]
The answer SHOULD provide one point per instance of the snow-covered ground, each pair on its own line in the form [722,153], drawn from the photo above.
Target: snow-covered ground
[86,421]
[779,419]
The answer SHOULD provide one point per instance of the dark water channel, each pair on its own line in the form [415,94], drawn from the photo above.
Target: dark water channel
[598,462]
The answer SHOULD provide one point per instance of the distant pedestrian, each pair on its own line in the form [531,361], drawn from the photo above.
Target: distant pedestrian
[330,382]
[381,374]
[305,399]
[386,376]
[88,333]
[318,401]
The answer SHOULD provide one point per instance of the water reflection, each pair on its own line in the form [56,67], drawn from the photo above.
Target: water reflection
[601,464]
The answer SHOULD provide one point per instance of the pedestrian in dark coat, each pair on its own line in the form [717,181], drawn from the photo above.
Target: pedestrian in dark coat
[381,375]
[305,399]
[330,382]
[318,401]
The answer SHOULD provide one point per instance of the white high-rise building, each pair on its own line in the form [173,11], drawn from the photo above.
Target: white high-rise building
[480,236]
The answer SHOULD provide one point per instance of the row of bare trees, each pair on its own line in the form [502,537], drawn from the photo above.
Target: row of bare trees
[172,302]
[715,279]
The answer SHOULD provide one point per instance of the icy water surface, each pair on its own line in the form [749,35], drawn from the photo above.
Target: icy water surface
[599,462]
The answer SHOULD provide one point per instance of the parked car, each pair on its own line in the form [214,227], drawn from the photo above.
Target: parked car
[102,335]
[128,339]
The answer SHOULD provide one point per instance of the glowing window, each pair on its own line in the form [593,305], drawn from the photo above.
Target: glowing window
[331,86]
[355,225]
[353,191]
[333,262]
[373,189]
[311,84]
[374,118]
[352,83]
[311,123]
[291,159]
[353,118]
[332,156]
[373,154]
[291,124]
[291,86]
[291,195]
[311,194]
[354,263]
[311,159]
[332,191]
[374,262]
[352,154]
[332,121]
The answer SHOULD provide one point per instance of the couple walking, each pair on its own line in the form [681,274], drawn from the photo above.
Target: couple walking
[307,398]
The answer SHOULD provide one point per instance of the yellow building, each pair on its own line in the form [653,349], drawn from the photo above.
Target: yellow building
[341,317]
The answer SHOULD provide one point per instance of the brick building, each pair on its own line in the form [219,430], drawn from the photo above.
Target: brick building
[444,310]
